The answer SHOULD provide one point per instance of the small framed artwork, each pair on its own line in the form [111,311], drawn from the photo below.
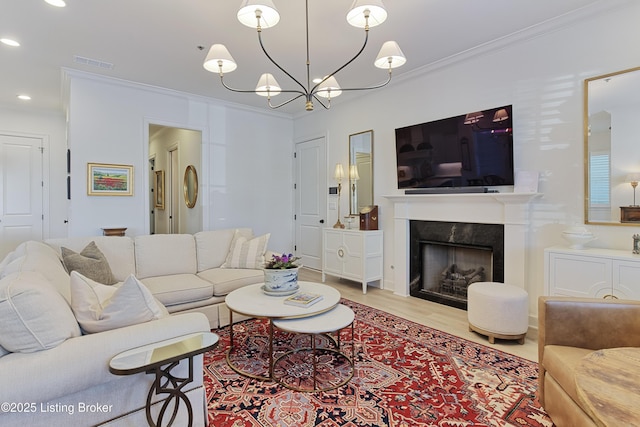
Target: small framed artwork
[109,180]
[158,190]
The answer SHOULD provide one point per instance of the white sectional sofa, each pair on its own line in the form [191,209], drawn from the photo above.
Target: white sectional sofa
[57,377]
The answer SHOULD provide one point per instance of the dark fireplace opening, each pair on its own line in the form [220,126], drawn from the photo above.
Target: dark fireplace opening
[448,269]
[446,257]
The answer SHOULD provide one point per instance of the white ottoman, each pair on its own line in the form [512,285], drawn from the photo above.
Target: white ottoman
[498,310]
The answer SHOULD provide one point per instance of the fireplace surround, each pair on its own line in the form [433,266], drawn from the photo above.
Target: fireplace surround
[511,210]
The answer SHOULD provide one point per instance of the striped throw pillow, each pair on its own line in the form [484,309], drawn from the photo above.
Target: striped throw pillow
[246,253]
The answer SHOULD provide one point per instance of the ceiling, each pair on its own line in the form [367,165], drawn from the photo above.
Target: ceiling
[159,42]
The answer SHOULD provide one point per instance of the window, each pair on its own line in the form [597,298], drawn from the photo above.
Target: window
[599,172]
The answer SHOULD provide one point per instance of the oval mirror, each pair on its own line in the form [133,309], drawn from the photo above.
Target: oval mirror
[612,168]
[360,171]
[190,186]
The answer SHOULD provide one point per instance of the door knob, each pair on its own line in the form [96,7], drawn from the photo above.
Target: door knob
[322,221]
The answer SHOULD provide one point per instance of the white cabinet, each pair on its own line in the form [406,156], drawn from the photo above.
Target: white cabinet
[352,254]
[592,273]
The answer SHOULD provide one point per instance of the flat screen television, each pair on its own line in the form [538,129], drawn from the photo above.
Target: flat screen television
[472,151]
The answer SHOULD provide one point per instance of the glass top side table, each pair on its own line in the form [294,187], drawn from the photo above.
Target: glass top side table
[159,359]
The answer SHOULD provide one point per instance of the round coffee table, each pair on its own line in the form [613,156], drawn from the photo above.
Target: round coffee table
[334,320]
[253,302]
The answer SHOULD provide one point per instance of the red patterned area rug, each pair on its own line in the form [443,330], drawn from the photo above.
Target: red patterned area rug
[406,375]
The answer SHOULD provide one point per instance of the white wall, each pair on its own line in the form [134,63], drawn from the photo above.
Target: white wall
[542,77]
[50,125]
[245,157]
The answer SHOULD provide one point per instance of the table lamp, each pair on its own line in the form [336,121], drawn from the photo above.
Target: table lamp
[338,175]
[633,179]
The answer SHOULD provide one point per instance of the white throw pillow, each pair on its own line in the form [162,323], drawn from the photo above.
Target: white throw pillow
[100,307]
[34,316]
[246,253]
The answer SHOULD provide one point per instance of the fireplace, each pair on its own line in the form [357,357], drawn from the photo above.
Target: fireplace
[509,210]
[446,257]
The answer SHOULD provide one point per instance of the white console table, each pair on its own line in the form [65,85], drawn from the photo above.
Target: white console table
[592,273]
[353,254]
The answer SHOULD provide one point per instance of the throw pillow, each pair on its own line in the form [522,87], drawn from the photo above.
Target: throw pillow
[33,315]
[246,253]
[100,308]
[91,263]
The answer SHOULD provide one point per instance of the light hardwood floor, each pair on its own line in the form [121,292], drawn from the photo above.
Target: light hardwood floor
[437,316]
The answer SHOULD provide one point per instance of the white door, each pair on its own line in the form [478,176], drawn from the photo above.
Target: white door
[310,200]
[21,191]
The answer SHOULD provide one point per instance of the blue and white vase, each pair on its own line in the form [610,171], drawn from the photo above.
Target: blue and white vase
[280,280]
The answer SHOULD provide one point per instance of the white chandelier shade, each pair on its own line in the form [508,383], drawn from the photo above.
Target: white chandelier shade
[219,60]
[268,86]
[261,14]
[357,16]
[329,88]
[250,9]
[390,56]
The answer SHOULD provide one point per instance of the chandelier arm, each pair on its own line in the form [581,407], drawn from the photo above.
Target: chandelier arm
[378,86]
[326,107]
[366,39]
[305,90]
[285,102]
[299,92]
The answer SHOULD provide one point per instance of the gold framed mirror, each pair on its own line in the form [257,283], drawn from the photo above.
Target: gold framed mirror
[611,164]
[360,171]
[190,186]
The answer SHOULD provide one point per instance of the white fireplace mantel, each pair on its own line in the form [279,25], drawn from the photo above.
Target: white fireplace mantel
[509,209]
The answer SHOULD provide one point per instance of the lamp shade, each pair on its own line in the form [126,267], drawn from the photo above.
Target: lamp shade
[353,173]
[356,15]
[633,177]
[472,118]
[267,11]
[390,56]
[267,85]
[329,88]
[338,173]
[500,115]
[219,60]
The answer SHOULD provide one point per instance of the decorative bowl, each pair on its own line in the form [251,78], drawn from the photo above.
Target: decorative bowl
[578,238]
[280,280]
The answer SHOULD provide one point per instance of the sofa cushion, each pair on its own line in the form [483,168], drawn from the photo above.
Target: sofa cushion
[3,351]
[33,315]
[246,253]
[91,263]
[561,362]
[165,254]
[178,288]
[100,307]
[41,258]
[213,246]
[225,280]
[118,250]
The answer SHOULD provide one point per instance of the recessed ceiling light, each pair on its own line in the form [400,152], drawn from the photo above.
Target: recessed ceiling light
[56,3]
[24,97]
[10,42]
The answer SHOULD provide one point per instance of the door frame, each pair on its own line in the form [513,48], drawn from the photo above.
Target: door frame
[203,176]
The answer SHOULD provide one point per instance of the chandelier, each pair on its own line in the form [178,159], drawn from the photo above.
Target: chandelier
[261,14]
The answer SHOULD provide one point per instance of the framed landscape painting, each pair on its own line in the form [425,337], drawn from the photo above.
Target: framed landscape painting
[109,180]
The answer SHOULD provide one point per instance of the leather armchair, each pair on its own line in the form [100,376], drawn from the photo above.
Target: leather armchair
[568,329]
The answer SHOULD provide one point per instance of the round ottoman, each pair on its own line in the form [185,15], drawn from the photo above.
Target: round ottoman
[498,310]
